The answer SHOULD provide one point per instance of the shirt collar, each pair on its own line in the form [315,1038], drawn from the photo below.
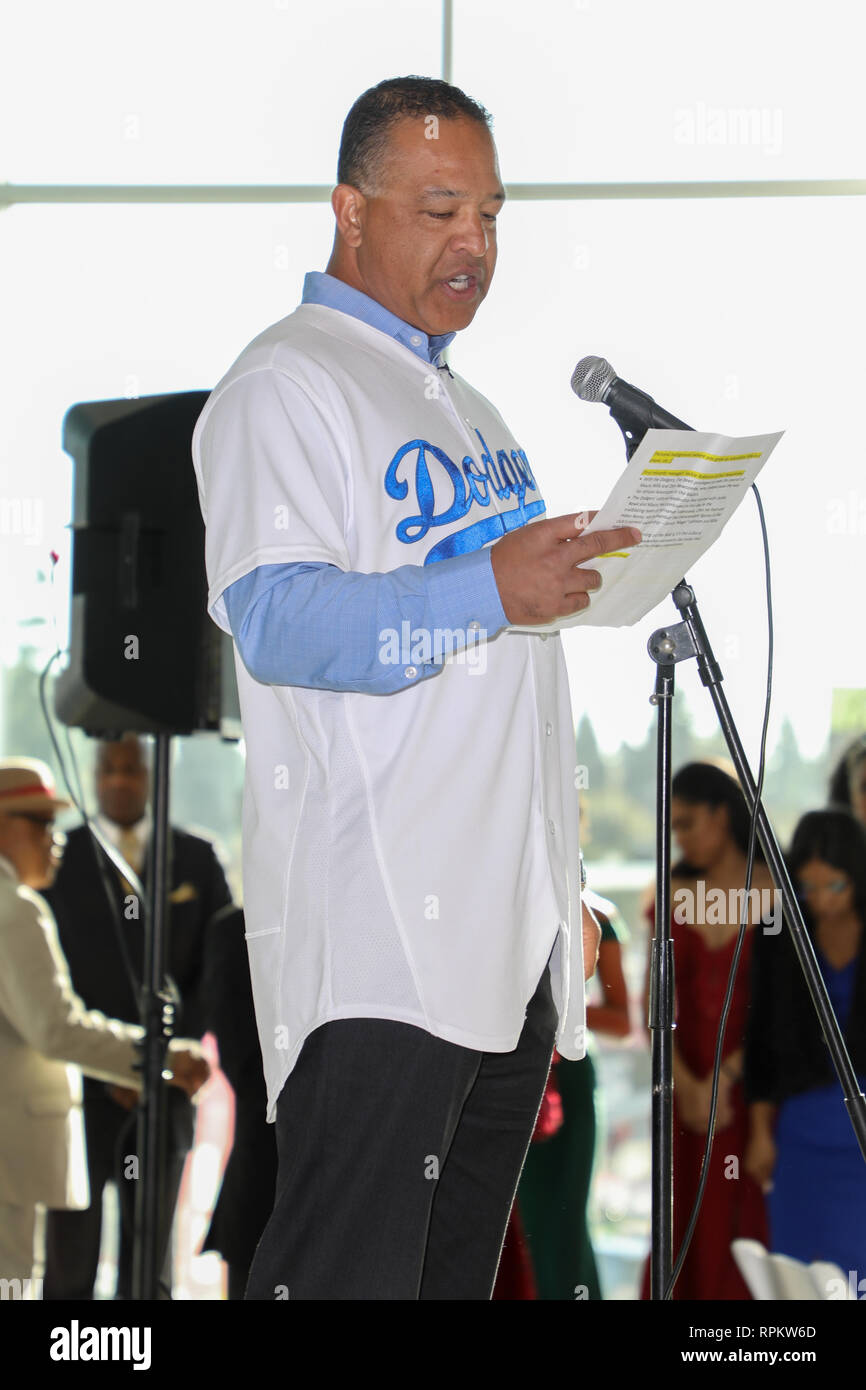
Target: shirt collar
[321,288]
[112,831]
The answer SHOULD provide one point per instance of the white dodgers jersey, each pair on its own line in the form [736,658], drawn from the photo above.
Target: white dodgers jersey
[411,856]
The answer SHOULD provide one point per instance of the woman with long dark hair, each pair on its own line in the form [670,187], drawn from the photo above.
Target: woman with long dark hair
[802,1147]
[710,821]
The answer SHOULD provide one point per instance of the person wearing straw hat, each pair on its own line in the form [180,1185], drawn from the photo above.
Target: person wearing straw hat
[43,1026]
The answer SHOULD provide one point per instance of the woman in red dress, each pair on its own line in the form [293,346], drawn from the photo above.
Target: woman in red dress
[710,822]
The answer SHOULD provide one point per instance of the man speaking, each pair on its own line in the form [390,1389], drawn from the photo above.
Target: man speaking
[410,817]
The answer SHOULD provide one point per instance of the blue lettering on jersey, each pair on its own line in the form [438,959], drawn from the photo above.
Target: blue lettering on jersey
[509,476]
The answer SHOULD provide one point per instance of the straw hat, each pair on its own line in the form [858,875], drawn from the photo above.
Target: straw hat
[26,784]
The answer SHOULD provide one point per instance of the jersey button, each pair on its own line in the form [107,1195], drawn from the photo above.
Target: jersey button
[415,340]
[548,729]
[474,626]
[410,672]
[551,827]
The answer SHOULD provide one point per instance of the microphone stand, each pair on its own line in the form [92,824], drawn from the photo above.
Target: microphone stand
[667,646]
[157,1016]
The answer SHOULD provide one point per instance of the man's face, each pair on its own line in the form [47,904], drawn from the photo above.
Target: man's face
[29,842]
[432,218]
[121,781]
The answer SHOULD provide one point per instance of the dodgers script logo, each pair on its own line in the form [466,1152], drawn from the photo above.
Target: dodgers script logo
[509,476]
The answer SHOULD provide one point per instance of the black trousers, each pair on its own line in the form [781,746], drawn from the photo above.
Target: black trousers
[399,1157]
[72,1238]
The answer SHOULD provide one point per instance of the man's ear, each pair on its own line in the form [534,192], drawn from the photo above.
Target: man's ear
[349,204]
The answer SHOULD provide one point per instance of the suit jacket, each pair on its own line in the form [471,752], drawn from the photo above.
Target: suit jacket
[44,1025]
[88,935]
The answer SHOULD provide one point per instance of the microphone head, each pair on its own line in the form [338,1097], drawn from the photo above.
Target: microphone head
[592,378]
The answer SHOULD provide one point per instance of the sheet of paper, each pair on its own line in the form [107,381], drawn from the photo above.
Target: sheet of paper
[679,489]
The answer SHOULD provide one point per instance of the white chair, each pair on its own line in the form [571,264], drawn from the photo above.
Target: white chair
[776,1277]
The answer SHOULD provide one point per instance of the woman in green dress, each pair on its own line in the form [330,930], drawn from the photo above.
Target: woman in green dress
[554,1186]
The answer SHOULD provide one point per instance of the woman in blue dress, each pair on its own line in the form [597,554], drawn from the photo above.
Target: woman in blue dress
[802,1147]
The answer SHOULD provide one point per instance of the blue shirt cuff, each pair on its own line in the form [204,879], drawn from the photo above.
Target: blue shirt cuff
[463,593]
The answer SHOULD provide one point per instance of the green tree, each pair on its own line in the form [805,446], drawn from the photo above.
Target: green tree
[25,733]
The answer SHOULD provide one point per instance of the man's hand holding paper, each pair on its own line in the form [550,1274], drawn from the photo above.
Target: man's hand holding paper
[538,568]
[680,488]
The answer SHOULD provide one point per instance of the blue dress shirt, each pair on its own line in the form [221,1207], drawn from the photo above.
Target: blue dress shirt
[317,625]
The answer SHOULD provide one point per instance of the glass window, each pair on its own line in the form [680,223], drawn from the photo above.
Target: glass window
[123,301]
[607,90]
[203,91]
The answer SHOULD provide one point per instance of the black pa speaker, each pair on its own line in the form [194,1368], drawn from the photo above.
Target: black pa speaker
[144,655]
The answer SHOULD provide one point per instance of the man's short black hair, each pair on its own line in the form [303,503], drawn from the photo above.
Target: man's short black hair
[365,130]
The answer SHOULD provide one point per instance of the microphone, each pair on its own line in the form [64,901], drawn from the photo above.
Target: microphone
[594,379]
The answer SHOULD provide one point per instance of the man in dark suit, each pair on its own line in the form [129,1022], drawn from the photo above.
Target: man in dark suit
[104,945]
